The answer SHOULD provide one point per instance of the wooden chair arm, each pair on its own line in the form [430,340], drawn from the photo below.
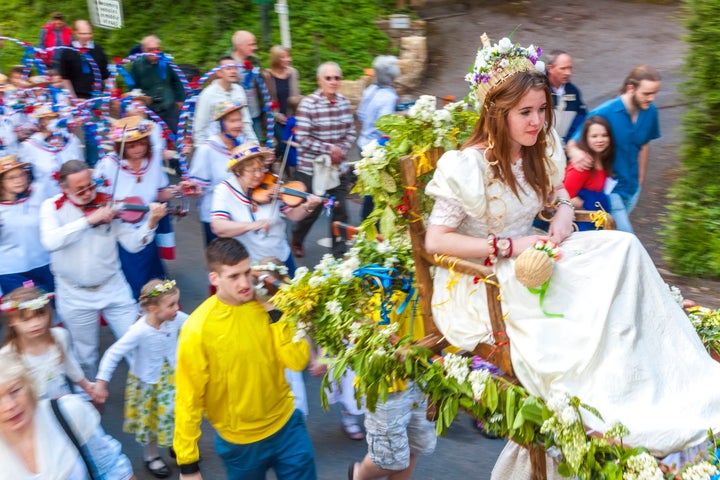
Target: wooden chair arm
[457,264]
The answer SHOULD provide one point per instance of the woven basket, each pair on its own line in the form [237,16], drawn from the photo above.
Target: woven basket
[533,268]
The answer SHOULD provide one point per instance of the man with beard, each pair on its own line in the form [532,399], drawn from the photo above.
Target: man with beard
[634,122]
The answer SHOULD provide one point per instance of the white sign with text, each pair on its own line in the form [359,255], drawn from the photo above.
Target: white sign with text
[106,13]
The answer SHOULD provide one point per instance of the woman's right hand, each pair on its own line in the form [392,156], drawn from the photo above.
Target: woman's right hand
[520,244]
[100,392]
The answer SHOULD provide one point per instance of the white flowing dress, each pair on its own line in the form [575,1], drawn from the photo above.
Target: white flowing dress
[623,345]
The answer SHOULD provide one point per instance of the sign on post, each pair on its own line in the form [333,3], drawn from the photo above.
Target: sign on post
[106,13]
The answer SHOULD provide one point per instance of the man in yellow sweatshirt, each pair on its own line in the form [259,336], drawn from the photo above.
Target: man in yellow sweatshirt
[231,361]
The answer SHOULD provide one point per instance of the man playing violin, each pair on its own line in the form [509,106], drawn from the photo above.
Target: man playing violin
[259,227]
[84,259]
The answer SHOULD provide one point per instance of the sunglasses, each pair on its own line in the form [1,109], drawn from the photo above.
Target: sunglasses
[85,190]
[337,78]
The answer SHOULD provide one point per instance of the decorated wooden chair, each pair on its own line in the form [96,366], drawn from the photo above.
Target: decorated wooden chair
[499,353]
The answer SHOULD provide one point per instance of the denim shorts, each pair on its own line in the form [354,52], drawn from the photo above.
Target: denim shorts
[398,427]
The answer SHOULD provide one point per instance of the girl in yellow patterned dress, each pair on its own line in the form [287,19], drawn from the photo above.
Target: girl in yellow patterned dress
[150,391]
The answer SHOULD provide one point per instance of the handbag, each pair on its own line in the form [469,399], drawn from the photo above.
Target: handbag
[325,175]
[73,438]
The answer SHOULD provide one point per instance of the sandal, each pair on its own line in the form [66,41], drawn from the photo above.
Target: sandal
[157,467]
[353,431]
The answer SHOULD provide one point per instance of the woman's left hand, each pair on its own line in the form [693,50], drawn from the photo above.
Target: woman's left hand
[561,225]
[313,201]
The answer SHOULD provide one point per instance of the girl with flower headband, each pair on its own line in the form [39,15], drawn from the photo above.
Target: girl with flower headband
[22,256]
[48,148]
[27,316]
[150,389]
[614,320]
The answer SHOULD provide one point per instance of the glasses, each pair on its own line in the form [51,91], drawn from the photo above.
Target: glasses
[84,190]
[337,78]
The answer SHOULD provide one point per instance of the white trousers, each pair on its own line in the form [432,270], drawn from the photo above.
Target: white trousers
[80,308]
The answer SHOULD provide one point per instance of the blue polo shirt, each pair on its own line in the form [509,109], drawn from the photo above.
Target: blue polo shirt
[628,138]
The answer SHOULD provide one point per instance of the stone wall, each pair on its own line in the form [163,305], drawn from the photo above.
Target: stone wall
[412,60]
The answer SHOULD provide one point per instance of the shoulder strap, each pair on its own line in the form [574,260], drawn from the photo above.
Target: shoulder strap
[71,435]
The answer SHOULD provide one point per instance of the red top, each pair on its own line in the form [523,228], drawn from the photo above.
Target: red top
[575,180]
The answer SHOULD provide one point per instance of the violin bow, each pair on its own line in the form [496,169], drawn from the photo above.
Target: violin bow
[117,172]
[282,169]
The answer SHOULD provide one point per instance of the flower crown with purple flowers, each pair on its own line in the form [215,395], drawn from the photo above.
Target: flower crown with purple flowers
[496,63]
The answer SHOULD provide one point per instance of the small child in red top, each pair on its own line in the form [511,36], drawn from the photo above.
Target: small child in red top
[587,187]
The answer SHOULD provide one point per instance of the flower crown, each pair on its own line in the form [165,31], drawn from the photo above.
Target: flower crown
[496,63]
[9,306]
[159,289]
[271,267]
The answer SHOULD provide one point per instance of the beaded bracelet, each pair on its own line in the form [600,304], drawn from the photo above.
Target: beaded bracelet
[564,201]
[492,250]
[504,247]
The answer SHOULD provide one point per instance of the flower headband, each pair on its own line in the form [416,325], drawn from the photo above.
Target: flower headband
[159,289]
[9,306]
[496,63]
[271,267]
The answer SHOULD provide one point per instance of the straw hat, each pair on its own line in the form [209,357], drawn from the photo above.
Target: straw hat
[135,128]
[248,151]
[136,95]
[10,162]
[228,107]
[45,110]
[39,80]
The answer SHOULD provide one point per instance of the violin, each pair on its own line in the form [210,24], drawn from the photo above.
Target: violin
[291,193]
[132,209]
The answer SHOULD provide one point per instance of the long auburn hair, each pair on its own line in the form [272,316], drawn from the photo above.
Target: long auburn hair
[491,131]
[606,157]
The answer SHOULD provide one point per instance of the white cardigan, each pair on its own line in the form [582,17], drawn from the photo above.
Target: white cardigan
[149,347]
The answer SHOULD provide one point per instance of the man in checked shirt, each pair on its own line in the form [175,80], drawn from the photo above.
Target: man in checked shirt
[325,133]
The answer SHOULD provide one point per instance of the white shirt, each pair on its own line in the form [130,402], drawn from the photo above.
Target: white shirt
[230,203]
[57,458]
[208,168]
[49,370]
[20,246]
[149,347]
[83,255]
[47,159]
[8,138]
[204,124]
[144,183]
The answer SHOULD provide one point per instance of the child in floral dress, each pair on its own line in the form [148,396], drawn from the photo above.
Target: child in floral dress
[150,390]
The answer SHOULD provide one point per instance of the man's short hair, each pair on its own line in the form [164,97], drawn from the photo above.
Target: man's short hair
[149,38]
[57,16]
[638,74]
[328,64]
[225,58]
[70,167]
[386,70]
[552,57]
[224,251]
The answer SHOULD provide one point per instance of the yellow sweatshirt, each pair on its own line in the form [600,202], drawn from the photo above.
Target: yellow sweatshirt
[230,367]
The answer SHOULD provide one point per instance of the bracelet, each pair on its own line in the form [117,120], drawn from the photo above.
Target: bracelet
[492,250]
[564,201]
[504,247]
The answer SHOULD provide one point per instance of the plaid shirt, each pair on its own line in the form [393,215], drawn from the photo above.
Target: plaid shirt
[321,124]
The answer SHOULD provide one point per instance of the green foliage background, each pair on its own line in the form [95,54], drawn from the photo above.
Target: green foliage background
[692,231]
[199,31]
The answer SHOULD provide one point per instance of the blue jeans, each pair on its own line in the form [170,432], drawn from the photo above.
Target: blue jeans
[288,451]
[42,277]
[620,208]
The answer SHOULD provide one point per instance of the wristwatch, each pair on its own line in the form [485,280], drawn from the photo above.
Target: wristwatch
[503,247]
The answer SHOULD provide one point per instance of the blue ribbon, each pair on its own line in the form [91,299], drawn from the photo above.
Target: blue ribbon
[127,78]
[162,66]
[387,279]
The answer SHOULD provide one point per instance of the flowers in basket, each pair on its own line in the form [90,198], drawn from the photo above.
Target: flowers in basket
[707,325]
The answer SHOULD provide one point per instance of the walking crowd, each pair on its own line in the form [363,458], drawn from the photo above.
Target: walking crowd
[85,207]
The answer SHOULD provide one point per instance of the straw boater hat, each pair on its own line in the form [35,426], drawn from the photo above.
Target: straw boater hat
[135,128]
[39,80]
[4,85]
[496,63]
[227,107]
[10,162]
[136,95]
[245,152]
[45,111]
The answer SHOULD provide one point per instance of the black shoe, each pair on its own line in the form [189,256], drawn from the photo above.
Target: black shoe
[160,468]
[171,452]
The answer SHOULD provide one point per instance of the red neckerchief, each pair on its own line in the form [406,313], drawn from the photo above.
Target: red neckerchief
[99,199]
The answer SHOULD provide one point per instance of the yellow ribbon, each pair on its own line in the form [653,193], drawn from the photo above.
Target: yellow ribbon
[599,217]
